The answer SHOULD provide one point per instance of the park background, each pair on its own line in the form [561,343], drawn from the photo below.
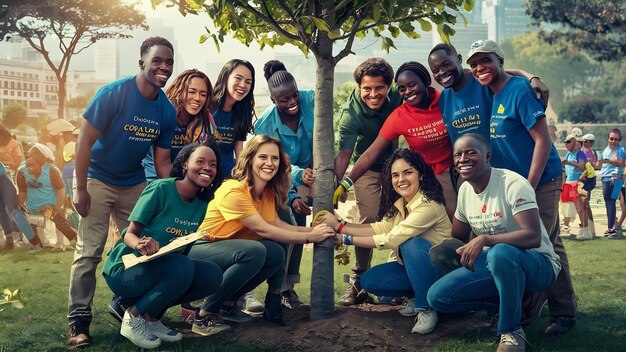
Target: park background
[586,90]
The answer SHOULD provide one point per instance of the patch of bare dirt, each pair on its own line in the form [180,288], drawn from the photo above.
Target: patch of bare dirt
[367,327]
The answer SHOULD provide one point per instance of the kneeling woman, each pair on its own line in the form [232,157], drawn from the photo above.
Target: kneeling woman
[167,208]
[244,228]
[414,218]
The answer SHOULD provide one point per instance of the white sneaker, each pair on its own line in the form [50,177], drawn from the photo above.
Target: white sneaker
[565,231]
[584,234]
[425,322]
[136,330]
[512,342]
[163,332]
[409,309]
[592,228]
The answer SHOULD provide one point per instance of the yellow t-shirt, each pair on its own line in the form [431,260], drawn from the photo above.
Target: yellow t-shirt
[233,201]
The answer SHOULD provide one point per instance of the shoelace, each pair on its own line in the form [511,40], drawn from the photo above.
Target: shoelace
[509,339]
[422,317]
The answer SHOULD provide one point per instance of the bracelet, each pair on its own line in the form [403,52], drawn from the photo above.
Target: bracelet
[533,77]
[341,225]
[347,240]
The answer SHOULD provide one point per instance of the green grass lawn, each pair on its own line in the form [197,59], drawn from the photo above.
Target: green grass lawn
[597,268]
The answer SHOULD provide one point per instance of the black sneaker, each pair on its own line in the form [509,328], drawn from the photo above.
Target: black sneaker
[78,335]
[118,307]
[560,326]
[208,325]
[290,300]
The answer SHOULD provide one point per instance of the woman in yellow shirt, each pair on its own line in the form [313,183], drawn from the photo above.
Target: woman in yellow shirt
[413,218]
[244,234]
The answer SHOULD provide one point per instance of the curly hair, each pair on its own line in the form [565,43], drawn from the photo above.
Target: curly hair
[429,186]
[154,41]
[374,67]
[243,111]
[178,171]
[280,184]
[200,125]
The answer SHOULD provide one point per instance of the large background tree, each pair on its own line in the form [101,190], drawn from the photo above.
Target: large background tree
[596,26]
[69,26]
[319,27]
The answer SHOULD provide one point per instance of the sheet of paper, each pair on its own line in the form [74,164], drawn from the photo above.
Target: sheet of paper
[131,260]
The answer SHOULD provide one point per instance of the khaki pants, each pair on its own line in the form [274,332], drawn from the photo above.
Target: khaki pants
[561,300]
[449,191]
[367,194]
[92,236]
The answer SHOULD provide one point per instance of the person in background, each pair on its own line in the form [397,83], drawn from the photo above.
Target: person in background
[246,236]
[612,168]
[12,218]
[511,252]
[125,119]
[168,208]
[520,142]
[574,164]
[290,119]
[588,177]
[362,117]
[41,192]
[233,102]
[413,218]
[11,154]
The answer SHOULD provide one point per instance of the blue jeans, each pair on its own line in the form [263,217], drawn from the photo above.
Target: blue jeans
[503,271]
[245,264]
[609,203]
[166,281]
[413,279]
[9,210]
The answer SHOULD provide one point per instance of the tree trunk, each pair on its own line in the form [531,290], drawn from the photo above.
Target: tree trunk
[61,96]
[322,277]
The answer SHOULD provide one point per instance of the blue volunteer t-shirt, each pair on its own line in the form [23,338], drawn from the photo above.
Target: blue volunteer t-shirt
[178,142]
[226,139]
[466,111]
[573,173]
[515,111]
[129,126]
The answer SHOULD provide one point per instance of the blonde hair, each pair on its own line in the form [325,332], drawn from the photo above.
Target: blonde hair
[280,184]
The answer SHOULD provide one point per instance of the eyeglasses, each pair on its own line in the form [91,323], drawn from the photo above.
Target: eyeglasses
[568,142]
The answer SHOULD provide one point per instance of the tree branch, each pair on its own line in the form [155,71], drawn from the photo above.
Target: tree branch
[347,50]
[267,19]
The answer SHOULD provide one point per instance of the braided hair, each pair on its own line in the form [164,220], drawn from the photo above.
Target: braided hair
[418,69]
[199,127]
[277,75]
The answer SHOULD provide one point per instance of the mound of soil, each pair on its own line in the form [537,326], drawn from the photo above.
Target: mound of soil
[367,327]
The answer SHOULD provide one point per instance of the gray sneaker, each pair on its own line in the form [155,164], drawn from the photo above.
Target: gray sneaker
[512,342]
[249,304]
[290,300]
[208,325]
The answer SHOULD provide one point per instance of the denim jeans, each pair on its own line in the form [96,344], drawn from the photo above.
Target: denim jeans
[413,279]
[166,281]
[609,203]
[503,271]
[9,210]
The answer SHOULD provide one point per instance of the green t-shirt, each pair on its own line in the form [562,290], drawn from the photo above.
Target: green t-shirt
[359,126]
[165,216]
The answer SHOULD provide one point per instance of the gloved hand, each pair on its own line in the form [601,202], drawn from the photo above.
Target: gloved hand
[344,185]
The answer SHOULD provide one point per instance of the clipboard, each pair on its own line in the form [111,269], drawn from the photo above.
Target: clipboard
[131,259]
